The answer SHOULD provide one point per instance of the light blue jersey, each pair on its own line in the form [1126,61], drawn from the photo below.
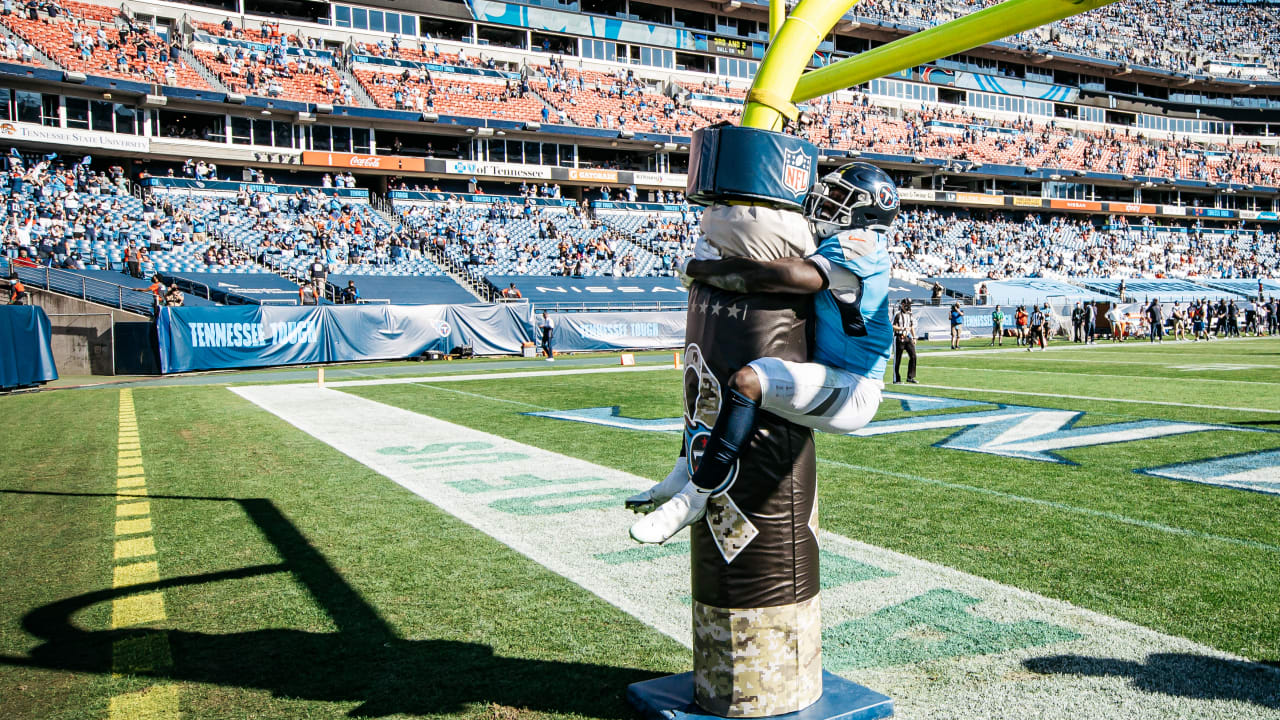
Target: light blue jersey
[854,330]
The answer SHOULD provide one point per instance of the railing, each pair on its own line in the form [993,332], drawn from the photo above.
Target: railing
[604,307]
[83,287]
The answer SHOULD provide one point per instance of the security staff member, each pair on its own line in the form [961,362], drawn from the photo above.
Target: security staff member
[904,340]
[17,291]
[548,328]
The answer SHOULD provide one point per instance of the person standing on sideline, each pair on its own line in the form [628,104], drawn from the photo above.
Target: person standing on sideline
[997,327]
[1116,320]
[1077,323]
[548,328]
[1155,316]
[1090,321]
[957,322]
[1050,323]
[904,340]
[1020,324]
[1037,328]
[1179,322]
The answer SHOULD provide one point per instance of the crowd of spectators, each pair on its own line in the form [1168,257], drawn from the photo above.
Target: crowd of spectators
[510,237]
[50,205]
[60,213]
[273,73]
[97,40]
[1177,35]
[617,100]
[997,245]
[969,139]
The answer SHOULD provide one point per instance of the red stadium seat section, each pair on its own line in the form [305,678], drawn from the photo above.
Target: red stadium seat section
[95,40]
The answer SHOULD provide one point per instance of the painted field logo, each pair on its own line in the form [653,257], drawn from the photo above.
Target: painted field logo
[1025,433]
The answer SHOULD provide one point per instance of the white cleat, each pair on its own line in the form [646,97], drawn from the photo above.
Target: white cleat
[649,500]
[682,510]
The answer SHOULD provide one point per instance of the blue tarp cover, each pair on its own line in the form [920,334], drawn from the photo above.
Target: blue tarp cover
[26,357]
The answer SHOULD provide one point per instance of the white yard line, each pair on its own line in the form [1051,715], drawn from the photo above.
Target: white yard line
[1161,361]
[495,376]
[1081,347]
[997,391]
[1102,375]
[566,514]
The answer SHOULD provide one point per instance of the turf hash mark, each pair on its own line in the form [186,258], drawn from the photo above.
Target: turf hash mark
[147,651]
[941,642]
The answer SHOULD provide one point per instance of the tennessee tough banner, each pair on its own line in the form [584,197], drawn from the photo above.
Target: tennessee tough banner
[205,338]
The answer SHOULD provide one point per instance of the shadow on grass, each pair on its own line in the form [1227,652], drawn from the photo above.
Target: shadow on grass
[365,661]
[1198,677]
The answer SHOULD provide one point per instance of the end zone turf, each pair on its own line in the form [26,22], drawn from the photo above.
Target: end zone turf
[941,642]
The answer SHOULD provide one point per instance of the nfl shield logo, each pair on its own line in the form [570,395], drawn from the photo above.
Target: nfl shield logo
[796,170]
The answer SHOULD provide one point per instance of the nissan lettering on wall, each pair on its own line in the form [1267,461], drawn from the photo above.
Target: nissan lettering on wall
[614,291]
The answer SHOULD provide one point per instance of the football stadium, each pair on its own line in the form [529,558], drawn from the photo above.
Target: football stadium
[640,360]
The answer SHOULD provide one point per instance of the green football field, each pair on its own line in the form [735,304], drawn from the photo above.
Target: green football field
[1099,523]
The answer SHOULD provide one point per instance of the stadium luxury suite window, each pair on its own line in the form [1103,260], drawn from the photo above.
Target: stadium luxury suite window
[28,106]
[267,133]
[732,67]
[340,139]
[359,18]
[77,113]
[600,50]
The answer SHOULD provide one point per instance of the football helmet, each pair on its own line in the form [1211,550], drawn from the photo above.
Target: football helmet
[854,196]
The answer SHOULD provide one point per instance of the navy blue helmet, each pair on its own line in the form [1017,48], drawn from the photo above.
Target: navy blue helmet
[854,196]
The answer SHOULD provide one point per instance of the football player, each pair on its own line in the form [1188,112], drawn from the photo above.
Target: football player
[849,210]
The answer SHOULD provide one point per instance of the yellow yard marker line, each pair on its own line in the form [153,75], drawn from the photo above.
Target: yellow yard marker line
[147,652]
[150,704]
[135,574]
[133,508]
[135,547]
[135,526]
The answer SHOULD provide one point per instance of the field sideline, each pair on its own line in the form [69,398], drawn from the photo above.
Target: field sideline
[292,579]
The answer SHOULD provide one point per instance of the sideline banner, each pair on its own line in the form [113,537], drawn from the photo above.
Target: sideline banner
[577,332]
[26,354]
[207,338]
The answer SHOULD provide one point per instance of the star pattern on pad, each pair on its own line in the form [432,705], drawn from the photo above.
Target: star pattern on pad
[735,311]
[715,308]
